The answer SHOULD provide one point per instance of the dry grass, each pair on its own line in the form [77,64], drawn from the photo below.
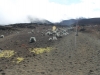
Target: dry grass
[40,50]
[7,53]
[18,60]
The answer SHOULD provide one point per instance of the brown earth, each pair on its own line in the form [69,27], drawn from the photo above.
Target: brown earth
[65,59]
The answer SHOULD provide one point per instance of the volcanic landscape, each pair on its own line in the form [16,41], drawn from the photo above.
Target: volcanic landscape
[68,55]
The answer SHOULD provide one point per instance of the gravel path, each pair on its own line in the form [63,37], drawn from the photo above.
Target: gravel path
[65,59]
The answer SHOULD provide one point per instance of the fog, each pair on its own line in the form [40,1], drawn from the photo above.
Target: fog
[17,11]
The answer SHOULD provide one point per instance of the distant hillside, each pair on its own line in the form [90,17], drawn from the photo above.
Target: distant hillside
[33,22]
[42,22]
[92,21]
[67,22]
[36,21]
[81,21]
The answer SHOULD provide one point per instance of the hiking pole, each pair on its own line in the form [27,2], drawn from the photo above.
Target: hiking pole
[76,34]
[77,28]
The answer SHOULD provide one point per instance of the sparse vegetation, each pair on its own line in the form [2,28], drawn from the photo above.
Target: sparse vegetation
[54,57]
[40,50]
[2,36]
[7,53]
[32,39]
[19,59]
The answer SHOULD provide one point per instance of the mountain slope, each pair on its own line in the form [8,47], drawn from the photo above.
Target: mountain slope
[67,22]
[90,21]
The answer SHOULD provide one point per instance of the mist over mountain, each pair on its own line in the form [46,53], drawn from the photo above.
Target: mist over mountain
[42,21]
[89,21]
[33,20]
[68,22]
[81,21]
[38,20]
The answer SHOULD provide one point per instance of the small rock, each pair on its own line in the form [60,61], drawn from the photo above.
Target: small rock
[3,73]
[1,70]
[42,72]
[91,70]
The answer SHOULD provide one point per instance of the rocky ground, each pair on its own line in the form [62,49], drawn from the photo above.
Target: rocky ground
[71,55]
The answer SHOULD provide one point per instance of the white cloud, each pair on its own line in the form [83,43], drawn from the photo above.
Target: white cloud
[14,11]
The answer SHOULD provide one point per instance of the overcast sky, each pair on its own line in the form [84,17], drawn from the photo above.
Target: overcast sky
[17,11]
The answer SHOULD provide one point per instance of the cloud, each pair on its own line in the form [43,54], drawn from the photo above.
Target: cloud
[16,11]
